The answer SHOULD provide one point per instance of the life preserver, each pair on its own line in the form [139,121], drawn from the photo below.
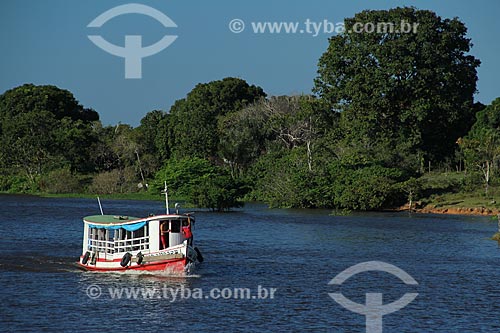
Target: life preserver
[199,256]
[140,258]
[86,257]
[125,259]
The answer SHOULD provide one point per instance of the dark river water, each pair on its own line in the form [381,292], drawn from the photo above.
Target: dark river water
[293,254]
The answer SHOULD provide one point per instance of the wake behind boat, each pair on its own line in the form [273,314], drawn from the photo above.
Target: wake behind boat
[153,243]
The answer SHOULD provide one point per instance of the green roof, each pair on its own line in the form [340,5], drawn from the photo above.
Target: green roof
[107,219]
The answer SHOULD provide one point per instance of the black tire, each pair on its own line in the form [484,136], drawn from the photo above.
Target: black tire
[85,258]
[140,258]
[199,256]
[125,259]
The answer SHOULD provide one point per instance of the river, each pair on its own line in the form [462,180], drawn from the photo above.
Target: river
[283,259]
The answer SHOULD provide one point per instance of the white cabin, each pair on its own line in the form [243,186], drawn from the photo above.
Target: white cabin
[112,236]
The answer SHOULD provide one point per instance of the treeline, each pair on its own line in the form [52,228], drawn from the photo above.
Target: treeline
[384,109]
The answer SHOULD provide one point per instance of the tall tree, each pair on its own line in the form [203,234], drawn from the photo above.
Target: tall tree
[194,119]
[44,128]
[407,94]
[243,136]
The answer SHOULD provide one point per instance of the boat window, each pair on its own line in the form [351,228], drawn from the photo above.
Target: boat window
[101,233]
[175,226]
[101,241]
[139,233]
[132,240]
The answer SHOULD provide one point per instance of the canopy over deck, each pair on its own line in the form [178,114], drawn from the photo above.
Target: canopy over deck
[109,219]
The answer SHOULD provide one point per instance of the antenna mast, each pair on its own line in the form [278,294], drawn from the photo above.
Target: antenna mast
[100,207]
[166,198]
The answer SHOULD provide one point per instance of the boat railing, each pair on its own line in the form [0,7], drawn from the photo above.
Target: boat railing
[110,247]
[101,246]
[133,244]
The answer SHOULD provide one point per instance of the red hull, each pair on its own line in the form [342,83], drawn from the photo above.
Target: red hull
[177,265]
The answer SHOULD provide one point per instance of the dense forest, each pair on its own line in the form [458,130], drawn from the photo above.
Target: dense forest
[387,111]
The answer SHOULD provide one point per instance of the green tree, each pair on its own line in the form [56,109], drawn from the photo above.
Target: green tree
[194,119]
[280,179]
[201,183]
[368,187]
[43,128]
[243,135]
[153,138]
[481,146]
[402,96]
[28,143]
[31,98]
[294,121]
[219,193]
[182,175]
[286,121]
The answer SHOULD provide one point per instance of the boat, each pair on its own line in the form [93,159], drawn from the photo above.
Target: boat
[114,243]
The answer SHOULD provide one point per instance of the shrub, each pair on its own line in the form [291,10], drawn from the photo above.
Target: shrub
[107,182]
[219,193]
[200,183]
[60,181]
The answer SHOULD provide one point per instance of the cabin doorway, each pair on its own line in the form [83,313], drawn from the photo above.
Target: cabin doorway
[164,234]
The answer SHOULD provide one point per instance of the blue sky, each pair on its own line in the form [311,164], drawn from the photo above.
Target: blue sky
[45,42]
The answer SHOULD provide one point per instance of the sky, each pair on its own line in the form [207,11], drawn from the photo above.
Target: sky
[46,42]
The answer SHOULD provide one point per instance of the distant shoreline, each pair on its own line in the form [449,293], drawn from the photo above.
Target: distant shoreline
[428,209]
[116,196]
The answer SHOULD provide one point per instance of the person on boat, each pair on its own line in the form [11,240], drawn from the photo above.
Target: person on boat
[164,230]
[186,231]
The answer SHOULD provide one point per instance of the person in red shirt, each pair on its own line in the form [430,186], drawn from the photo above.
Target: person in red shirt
[186,231]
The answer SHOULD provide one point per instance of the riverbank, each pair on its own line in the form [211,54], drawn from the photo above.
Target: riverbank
[457,204]
[431,209]
[458,210]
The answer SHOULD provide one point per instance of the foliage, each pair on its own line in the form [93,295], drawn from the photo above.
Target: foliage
[60,181]
[114,181]
[200,183]
[194,119]
[107,182]
[403,94]
[367,187]
[18,184]
[281,179]
[182,175]
[242,137]
[43,128]
[154,137]
[218,193]
[481,146]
